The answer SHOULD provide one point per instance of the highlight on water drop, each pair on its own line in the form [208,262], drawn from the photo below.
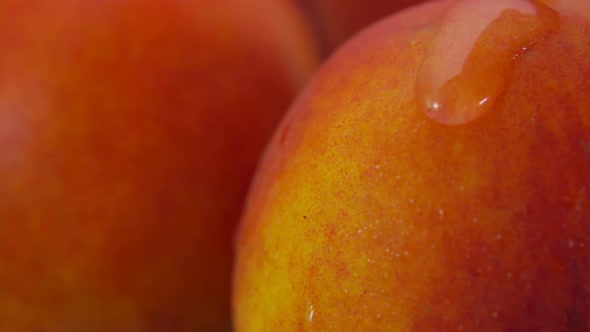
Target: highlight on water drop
[469,61]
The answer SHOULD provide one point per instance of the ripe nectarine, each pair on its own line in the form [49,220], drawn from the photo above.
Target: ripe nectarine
[129,130]
[434,175]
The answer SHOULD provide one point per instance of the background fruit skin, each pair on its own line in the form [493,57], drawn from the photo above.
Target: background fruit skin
[336,21]
[129,131]
[366,215]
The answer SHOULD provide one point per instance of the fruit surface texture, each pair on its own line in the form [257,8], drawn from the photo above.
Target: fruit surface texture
[372,212]
[129,131]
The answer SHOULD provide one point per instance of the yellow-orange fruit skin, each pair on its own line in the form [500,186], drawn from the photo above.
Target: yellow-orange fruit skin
[366,215]
[129,131]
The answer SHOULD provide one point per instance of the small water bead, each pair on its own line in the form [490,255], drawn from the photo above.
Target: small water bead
[468,63]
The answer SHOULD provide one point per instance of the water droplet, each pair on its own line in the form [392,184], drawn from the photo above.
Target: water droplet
[469,60]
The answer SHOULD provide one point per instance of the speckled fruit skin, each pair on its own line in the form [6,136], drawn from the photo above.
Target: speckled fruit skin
[337,20]
[366,215]
[129,131]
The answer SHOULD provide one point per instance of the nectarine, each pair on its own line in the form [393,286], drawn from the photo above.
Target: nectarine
[129,130]
[396,197]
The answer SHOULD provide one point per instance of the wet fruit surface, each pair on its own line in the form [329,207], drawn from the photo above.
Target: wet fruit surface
[473,53]
[368,214]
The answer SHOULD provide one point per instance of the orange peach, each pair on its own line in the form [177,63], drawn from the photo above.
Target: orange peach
[434,175]
[129,131]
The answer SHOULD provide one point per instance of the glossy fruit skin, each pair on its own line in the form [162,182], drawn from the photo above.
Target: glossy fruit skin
[129,131]
[366,215]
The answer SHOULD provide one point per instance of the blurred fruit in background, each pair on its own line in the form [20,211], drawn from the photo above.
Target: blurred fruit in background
[337,20]
[129,130]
